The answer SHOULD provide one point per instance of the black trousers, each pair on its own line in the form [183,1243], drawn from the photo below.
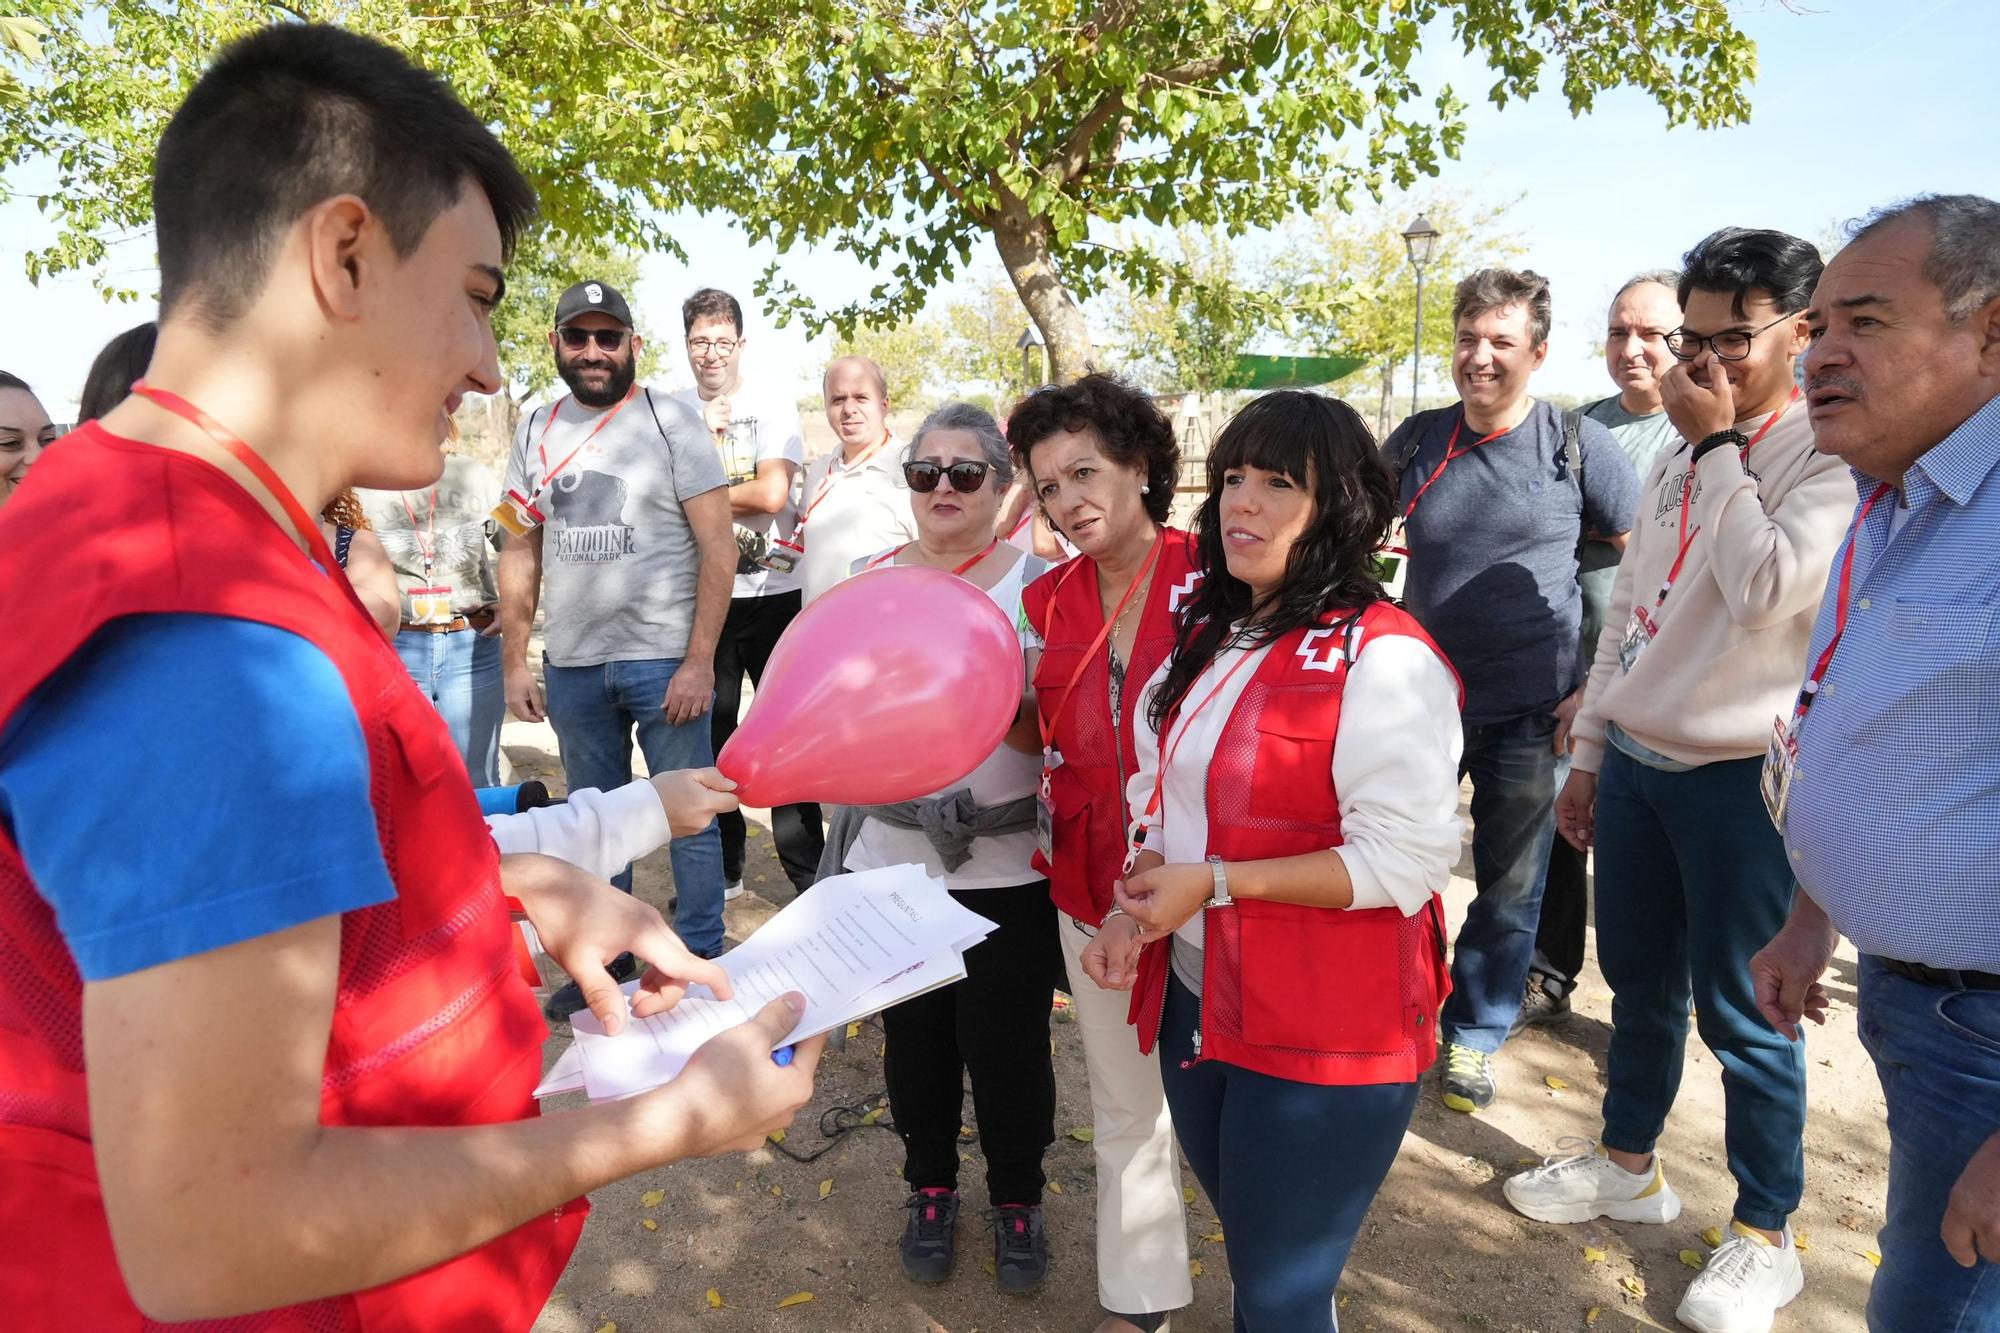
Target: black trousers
[994,1027]
[1565,910]
[749,633]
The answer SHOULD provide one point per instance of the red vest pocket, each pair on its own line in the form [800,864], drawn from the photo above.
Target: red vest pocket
[1315,979]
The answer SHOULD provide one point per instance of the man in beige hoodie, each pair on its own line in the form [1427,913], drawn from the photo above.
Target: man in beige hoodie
[1736,530]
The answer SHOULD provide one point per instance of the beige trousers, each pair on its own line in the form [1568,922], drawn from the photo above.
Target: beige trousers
[1142,1251]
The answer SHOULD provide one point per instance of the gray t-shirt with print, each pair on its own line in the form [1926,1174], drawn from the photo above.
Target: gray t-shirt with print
[450,524]
[1493,570]
[619,561]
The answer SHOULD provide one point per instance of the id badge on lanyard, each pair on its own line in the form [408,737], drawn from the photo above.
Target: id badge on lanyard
[1781,765]
[783,555]
[431,605]
[1045,809]
[1640,631]
[516,514]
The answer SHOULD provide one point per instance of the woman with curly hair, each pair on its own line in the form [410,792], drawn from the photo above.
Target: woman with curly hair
[1296,814]
[1102,462]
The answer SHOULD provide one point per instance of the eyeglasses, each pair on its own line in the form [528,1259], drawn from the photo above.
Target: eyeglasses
[577,339]
[1729,345]
[965,477]
[720,346]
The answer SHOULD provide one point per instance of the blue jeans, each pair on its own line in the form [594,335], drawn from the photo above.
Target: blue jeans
[460,671]
[1515,774]
[594,710]
[1290,1167]
[1937,1051]
[1691,881]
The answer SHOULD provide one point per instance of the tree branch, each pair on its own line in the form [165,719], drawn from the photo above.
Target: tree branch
[1073,158]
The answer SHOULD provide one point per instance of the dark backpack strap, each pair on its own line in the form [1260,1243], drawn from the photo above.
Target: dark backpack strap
[343,539]
[1572,461]
[1398,456]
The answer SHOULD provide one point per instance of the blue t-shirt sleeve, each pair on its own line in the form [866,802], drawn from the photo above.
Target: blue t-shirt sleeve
[1610,484]
[187,782]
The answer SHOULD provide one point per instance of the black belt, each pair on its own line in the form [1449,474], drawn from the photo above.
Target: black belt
[1949,978]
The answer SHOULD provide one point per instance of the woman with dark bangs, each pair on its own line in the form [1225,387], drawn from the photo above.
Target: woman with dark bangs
[1295,815]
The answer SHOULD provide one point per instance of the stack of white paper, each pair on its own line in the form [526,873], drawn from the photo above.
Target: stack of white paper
[854,944]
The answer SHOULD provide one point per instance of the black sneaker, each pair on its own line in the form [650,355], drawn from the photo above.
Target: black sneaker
[1540,1003]
[1020,1248]
[929,1235]
[1468,1079]
[569,996]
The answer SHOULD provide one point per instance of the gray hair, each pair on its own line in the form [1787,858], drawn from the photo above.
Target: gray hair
[1498,288]
[1964,262]
[977,422]
[1664,277]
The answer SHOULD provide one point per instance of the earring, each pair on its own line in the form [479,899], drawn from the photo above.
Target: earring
[1145,488]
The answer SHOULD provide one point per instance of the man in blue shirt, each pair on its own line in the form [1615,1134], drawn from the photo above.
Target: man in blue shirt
[1886,777]
[1498,492]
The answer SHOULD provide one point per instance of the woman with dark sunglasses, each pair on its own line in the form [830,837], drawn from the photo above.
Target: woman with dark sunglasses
[1103,463]
[979,836]
[1296,813]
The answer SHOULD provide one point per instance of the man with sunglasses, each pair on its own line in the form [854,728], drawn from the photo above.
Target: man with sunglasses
[855,499]
[755,423]
[1737,527]
[621,509]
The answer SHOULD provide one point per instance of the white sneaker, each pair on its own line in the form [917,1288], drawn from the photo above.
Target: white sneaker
[1578,1185]
[731,892]
[1744,1284]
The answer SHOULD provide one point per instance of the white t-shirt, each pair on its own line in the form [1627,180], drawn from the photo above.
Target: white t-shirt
[1005,775]
[1395,771]
[763,424]
[860,511]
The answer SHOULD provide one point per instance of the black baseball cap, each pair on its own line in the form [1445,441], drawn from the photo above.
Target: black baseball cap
[592,297]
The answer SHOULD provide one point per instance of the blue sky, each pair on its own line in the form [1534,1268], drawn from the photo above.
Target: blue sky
[1858,102]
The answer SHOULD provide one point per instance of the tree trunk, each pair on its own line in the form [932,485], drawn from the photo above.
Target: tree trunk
[1024,249]
[1388,391]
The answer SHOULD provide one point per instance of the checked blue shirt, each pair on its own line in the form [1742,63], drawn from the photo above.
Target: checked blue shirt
[1894,819]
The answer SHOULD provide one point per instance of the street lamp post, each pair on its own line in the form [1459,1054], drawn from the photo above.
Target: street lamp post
[1420,239]
[1030,339]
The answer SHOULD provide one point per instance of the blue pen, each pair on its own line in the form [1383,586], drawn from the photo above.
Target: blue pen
[782,1056]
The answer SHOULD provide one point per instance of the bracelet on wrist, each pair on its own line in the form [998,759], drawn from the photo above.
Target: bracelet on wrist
[1716,441]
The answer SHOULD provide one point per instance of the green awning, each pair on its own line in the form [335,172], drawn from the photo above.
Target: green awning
[1293,372]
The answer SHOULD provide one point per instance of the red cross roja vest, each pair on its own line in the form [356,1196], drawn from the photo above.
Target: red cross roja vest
[431,1023]
[1084,793]
[1305,993]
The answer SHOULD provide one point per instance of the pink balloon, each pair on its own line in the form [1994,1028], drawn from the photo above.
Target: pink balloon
[893,685]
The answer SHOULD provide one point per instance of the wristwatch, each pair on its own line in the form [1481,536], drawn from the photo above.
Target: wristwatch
[1220,898]
[1717,440]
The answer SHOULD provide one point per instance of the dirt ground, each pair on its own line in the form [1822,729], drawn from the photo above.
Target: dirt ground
[1440,1249]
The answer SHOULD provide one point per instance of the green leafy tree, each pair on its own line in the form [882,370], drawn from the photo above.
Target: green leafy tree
[905,135]
[1209,303]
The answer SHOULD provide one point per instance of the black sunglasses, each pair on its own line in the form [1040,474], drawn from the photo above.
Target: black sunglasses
[577,339]
[965,477]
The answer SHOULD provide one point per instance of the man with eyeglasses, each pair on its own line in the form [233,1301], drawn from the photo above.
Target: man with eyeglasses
[620,507]
[1643,312]
[855,502]
[1711,611]
[756,428]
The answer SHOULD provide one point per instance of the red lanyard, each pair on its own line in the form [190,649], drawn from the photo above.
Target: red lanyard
[960,571]
[308,529]
[542,442]
[828,482]
[426,548]
[1138,581]
[1451,451]
[1687,499]
[1811,687]
[1167,752]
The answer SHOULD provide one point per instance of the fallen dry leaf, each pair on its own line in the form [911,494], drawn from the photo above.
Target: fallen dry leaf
[989,1266]
[1692,1258]
[608,1326]
[1055,1187]
[1083,1134]
[649,1224]
[1557,1083]
[777,1192]
[1194,1268]
[777,1136]
[1187,1194]
[853,1030]
[1635,1287]
[825,1187]
[1872,1257]
[1592,1255]
[1213,1238]
[1712,1236]
[714,1299]
[796,1298]
[873,1115]
[1799,1240]
[652,1198]
[1590,1316]
[965,1131]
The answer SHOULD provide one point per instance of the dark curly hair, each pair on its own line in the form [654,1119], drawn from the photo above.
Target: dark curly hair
[1130,426]
[1323,445]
